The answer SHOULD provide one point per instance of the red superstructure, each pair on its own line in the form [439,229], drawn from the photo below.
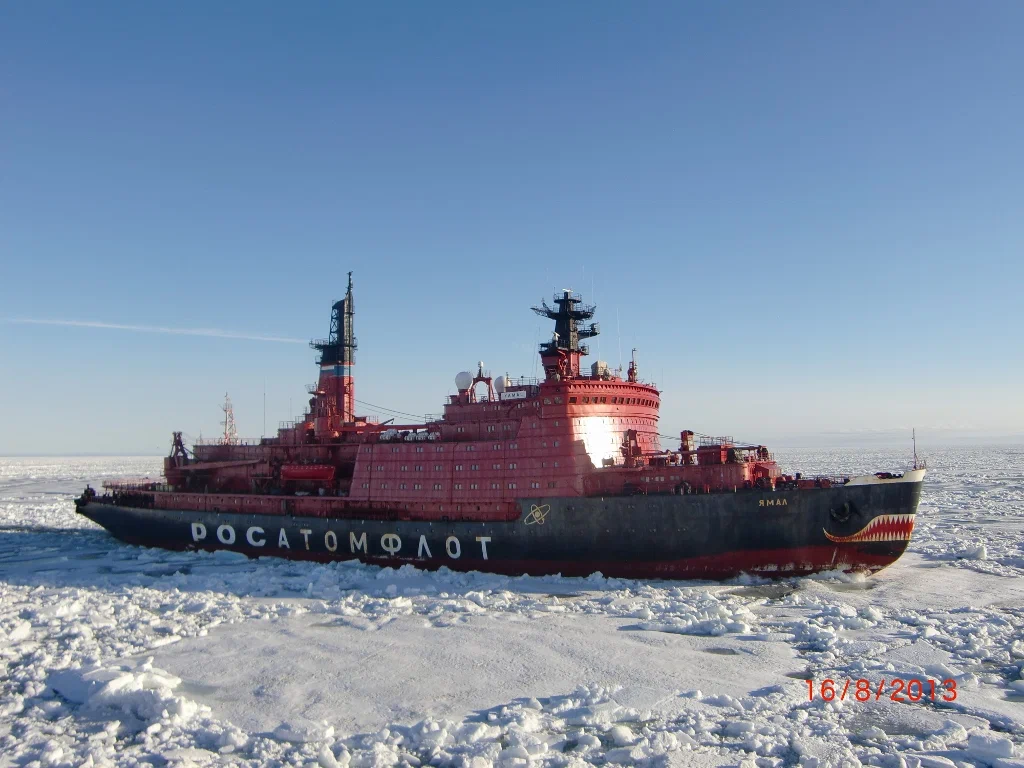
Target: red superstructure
[572,433]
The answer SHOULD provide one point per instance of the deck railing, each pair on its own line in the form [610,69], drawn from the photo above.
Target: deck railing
[207,441]
[136,485]
[710,441]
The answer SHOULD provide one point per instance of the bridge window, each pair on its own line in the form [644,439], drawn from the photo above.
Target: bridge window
[535,485]
[458,486]
[552,483]
[494,486]
[438,467]
[419,467]
[474,467]
[572,400]
[497,446]
[511,486]
[437,486]
[512,465]
[458,467]
[405,467]
[416,486]
[384,486]
[401,486]
[474,486]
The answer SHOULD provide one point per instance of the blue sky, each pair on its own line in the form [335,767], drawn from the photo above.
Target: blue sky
[808,217]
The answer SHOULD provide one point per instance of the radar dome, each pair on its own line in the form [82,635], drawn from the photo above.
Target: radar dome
[463,380]
[500,384]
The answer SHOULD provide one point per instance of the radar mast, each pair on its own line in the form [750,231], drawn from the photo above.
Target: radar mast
[561,355]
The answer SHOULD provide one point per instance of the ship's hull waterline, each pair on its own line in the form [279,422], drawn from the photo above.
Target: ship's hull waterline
[691,536]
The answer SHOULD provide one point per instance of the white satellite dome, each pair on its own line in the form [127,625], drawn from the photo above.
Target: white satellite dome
[463,380]
[500,384]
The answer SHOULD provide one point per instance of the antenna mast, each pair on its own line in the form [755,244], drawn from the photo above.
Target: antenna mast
[561,355]
[618,335]
[230,431]
[335,394]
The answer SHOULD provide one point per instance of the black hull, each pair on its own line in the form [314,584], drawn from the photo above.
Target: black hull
[703,536]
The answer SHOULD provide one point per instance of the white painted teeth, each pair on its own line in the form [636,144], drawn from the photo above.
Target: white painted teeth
[899,529]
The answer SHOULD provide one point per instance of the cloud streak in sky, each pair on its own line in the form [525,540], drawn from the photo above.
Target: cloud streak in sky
[216,333]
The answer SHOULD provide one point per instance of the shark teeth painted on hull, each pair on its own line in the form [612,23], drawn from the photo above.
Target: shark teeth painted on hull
[881,528]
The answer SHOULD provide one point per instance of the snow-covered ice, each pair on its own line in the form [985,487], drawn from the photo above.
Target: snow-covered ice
[117,655]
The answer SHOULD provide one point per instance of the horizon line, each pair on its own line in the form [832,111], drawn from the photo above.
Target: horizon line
[216,333]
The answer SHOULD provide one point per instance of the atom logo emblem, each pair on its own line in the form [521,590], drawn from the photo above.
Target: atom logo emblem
[537,514]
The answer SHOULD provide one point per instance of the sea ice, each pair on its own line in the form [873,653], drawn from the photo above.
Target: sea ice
[115,655]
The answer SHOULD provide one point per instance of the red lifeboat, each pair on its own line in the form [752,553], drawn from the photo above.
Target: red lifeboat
[320,472]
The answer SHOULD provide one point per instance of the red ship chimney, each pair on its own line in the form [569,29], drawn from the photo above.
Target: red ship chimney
[335,396]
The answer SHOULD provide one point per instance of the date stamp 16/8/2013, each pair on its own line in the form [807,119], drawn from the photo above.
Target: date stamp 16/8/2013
[896,689]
